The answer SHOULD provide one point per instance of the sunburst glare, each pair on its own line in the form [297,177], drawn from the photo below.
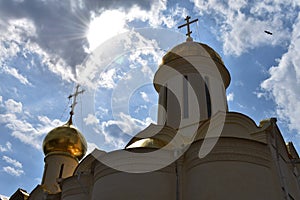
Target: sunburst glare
[105,26]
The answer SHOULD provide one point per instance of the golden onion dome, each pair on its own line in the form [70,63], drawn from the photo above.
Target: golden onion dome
[154,136]
[66,139]
[148,142]
[196,49]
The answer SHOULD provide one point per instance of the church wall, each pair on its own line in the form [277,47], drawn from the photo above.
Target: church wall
[239,131]
[77,187]
[230,179]
[235,169]
[111,184]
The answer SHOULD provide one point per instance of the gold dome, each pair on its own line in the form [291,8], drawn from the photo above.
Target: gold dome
[65,138]
[147,142]
[154,136]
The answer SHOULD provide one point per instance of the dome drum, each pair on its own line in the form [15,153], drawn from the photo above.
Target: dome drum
[185,58]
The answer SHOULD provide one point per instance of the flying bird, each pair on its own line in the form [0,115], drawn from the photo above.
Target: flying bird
[268,32]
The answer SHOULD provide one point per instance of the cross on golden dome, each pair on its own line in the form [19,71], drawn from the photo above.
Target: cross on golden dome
[77,92]
[188,22]
[66,138]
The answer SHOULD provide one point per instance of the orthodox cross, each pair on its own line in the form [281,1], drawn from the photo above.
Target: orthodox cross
[188,22]
[77,92]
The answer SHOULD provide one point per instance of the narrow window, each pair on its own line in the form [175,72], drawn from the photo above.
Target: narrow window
[166,97]
[208,100]
[185,97]
[165,102]
[291,197]
[61,171]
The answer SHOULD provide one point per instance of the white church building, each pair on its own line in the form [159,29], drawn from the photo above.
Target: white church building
[197,150]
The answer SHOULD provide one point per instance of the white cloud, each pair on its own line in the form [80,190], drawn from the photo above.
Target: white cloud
[230,96]
[115,131]
[114,22]
[147,50]
[106,129]
[69,43]
[101,112]
[14,33]
[144,96]
[260,94]
[91,119]
[284,82]
[13,171]
[139,108]
[8,117]
[126,123]
[47,123]
[107,79]
[155,15]
[12,106]
[53,62]
[243,29]
[24,32]
[26,132]
[15,73]
[241,106]
[28,138]
[17,36]
[32,134]
[13,162]
[6,148]
[99,69]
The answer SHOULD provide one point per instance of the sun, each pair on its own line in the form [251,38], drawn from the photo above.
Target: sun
[104,26]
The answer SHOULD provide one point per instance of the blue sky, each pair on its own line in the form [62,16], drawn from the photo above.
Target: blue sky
[47,46]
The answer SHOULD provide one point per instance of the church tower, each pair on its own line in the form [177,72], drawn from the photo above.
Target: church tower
[64,147]
[191,83]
